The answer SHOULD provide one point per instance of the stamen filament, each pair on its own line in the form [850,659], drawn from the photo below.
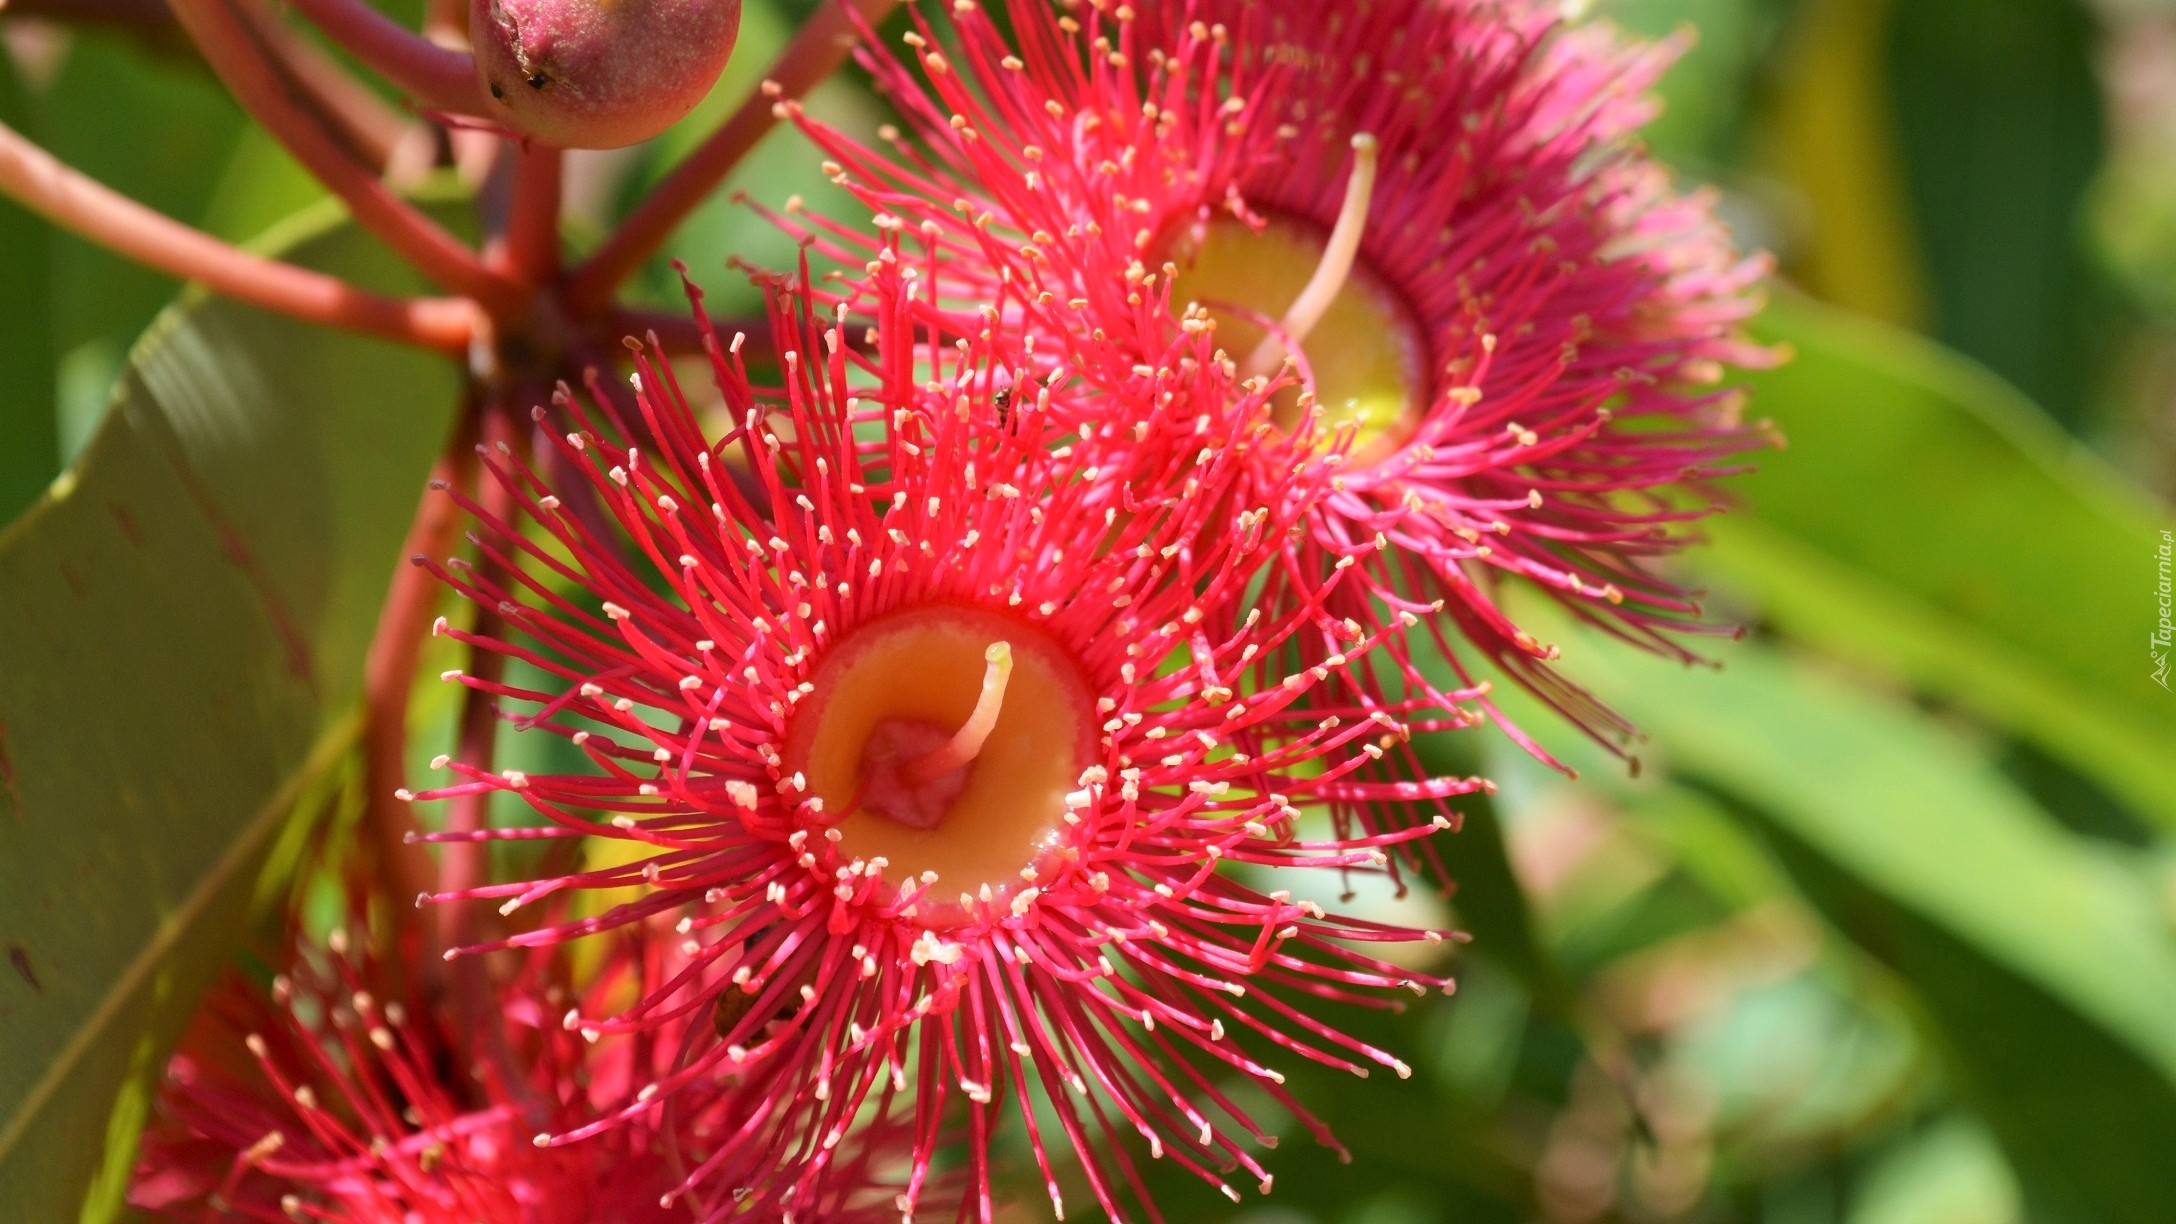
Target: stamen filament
[1336,265]
[967,741]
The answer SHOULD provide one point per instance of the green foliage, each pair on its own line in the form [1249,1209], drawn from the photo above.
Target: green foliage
[1998,115]
[2049,975]
[1703,113]
[157,129]
[1977,554]
[150,123]
[29,443]
[182,625]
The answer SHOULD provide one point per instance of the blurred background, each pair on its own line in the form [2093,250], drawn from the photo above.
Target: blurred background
[1883,928]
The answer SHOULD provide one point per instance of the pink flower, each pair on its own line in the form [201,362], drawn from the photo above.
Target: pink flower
[1522,378]
[329,1100]
[928,720]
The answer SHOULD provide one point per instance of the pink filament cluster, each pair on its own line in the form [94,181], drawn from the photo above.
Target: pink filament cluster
[333,1096]
[682,629]
[1575,311]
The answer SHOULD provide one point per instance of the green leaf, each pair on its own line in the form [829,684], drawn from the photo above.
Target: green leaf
[1996,105]
[182,624]
[29,445]
[1952,1171]
[262,186]
[1828,133]
[1703,94]
[1491,904]
[158,129]
[1928,521]
[2049,975]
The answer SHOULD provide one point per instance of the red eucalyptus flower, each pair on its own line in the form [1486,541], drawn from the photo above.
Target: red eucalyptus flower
[928,718]
[330,1101]
[1509,324]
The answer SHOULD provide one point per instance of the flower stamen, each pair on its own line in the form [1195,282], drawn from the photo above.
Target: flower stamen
[1335,266]
[960,750]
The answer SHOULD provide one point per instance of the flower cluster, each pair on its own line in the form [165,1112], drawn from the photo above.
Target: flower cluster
[975,678]
[1564,316]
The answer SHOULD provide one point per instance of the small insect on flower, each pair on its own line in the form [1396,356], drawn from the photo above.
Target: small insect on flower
[1425,224]
[923,729]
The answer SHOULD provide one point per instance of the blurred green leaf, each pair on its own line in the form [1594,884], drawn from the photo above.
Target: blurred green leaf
[1402,1139]
[1703,94]
[260,186]
[1490,903]
[1797,1046]
[1831,136]
[1928,521]
[2051,977]
[29,446]
[1951,1171]
[182,624]
[1997,111]
[1708,845]
[157,129]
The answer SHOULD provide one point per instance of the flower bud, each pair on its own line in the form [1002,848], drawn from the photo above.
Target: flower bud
[599,74]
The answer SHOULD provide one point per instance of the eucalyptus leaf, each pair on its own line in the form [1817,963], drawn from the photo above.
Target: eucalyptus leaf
[182,625]
[1977,553]
[2050,977]
[29,444]
[157,128]
[1997,107]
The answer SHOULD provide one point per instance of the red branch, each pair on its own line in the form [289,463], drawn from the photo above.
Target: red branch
[79,203]
[389,670]
[439,78]
[817,49]
[148,20]
[462,864]
[367,124]
[241,61]
[531,250]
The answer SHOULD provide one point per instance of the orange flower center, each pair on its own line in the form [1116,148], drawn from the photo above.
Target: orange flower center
[1358,341]
[944,741]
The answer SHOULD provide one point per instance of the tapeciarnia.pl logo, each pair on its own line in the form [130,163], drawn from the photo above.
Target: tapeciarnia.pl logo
[2163,631]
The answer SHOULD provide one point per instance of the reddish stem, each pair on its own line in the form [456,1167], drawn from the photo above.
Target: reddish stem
[79,203]
[369,127]
[817,49]
[149,20]
[436,77]
[242,62]
[462,863]
[531,251]
[389,670]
